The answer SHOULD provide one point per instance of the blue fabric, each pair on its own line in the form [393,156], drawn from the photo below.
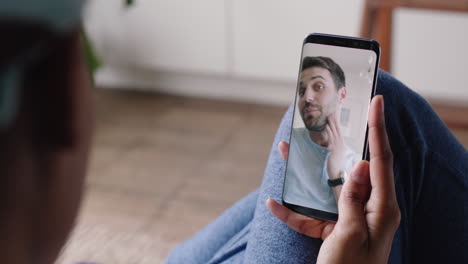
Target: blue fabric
[431,179]
[223,238]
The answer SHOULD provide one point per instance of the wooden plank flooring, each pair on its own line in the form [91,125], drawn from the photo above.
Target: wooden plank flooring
[162,167]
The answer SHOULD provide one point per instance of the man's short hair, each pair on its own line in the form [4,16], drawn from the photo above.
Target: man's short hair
[327,63]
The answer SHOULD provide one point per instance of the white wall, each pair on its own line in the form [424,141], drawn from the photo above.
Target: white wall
[268,34]
[249,49]
[169,35]
[431,54]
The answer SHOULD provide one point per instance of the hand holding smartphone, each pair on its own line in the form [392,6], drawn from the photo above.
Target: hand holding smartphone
[336,82]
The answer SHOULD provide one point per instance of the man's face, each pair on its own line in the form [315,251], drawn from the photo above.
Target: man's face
[318,97]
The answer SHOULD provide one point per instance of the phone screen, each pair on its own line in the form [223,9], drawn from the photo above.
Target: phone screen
[336,82]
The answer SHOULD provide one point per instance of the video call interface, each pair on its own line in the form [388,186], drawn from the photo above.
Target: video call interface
[330,119]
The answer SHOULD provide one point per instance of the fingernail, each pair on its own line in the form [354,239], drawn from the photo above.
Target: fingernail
[269,202]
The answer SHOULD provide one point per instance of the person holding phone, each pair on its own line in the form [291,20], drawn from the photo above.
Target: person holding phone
[45,136]
[320,153]
[45,129]
[430,182]
[369,213]
[368,209]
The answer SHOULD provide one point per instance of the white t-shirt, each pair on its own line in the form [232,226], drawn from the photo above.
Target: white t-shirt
[306,175]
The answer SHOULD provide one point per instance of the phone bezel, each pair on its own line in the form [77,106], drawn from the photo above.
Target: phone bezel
[340,41]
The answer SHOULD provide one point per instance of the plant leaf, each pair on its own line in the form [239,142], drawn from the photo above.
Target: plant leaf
[129,3]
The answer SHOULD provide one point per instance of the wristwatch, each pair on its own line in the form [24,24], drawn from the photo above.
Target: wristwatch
[339,181]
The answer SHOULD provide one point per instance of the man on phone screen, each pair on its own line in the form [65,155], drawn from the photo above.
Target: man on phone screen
[318,157]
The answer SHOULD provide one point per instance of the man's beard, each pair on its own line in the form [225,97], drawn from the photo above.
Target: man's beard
[319,124]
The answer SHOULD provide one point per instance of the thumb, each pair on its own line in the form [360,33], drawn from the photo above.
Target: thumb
[354,196]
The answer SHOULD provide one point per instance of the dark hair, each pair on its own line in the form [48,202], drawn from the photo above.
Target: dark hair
[327,63]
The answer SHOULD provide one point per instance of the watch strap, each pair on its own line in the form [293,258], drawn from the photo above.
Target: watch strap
[336,182]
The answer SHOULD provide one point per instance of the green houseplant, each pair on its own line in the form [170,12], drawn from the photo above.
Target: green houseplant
[92,59]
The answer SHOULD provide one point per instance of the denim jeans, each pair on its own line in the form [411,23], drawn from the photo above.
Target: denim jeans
[431,180]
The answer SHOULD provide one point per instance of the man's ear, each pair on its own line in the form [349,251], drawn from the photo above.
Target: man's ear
[342,93]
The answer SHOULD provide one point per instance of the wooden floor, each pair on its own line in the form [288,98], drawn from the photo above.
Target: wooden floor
[162,167]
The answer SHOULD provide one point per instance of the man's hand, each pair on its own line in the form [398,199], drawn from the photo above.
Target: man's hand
[336,147]
[336,161]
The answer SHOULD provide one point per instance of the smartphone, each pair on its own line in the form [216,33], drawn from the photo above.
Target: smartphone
[337,80]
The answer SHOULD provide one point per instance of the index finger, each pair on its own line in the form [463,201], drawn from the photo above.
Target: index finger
[302,224]
[381,157]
